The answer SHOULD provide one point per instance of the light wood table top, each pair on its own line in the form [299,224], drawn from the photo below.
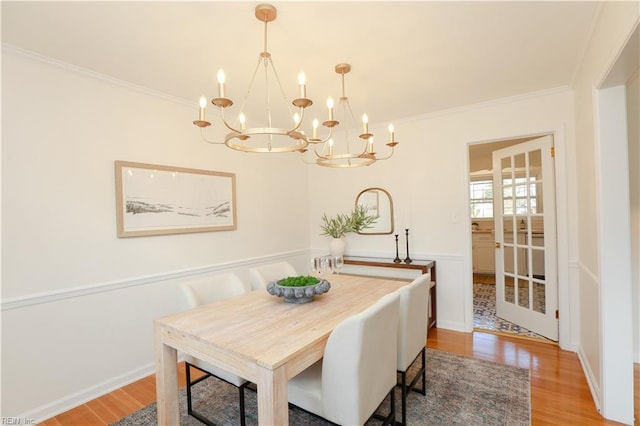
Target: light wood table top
[261,338]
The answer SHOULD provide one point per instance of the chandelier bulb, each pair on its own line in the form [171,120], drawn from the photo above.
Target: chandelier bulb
[302,81]
[221,81]
[242,120]
[330,106]
[365,123]
[391,129]
[201,112]
[202,121]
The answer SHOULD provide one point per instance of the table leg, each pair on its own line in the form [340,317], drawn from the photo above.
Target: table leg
[273,403]
[166,382]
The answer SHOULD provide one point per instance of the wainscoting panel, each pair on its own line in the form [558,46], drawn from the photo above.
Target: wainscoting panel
[61,350]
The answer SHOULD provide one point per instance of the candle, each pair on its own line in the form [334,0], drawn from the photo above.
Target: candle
[301,81]
[221,81]
[243,120]
[330,146]
[296,118]
[370,145]
[391,136]
[365,123]
[203,104]
[330,106]
[315,128]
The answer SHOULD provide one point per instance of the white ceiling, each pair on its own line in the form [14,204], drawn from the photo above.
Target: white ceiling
[408,58]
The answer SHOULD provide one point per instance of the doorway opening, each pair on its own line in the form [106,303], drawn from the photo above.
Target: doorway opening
[508,249]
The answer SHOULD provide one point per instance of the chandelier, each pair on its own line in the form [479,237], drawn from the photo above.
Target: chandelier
[265,137]
[350,153]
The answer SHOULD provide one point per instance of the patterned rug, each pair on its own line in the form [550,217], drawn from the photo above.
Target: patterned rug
[484,313]
[460,391]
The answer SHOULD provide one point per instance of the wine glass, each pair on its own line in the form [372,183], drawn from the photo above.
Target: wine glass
[315,265]
[338,263]
[326,264]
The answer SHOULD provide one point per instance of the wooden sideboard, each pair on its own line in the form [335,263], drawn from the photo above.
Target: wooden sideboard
[424,266]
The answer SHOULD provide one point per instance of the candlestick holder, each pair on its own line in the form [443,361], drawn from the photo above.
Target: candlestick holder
[407,259]
[397,259]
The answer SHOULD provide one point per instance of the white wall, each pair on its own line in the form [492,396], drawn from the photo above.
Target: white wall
[428,181]
[633,118]
[78,302]
[614,25]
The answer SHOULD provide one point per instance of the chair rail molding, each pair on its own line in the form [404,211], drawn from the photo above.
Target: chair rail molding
[81,291]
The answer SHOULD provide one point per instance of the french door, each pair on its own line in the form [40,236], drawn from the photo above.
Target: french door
[525,232]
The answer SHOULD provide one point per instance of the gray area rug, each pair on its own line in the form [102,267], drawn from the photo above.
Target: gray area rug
[460,391]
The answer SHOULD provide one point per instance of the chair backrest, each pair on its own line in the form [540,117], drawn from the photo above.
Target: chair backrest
[212,289]
[262,275]
[359,364]
[413,323]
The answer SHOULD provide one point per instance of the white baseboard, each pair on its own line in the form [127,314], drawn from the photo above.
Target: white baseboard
[453,326]
[61,405]
[592,380]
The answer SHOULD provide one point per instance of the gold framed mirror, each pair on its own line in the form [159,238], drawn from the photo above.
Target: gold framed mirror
[378,202]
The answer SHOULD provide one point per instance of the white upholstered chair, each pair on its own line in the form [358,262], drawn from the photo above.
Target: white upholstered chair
[262,275]
[358,369]
[412,336]
[200,292]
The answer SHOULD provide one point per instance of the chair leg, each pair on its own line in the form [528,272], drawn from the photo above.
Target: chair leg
[199,416]
[392,408]
[389,419]
[421,374]
[241,396]
[403,393]
[406,388]
[424,372]
[188,370]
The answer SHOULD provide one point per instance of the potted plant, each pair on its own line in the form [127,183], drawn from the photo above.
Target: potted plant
[341,224]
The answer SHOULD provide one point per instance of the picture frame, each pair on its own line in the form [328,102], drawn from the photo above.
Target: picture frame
[152,199]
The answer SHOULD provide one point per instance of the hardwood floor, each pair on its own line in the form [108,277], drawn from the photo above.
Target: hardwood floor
[559,391]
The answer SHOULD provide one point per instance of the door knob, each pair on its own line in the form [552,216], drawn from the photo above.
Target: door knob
[497,244]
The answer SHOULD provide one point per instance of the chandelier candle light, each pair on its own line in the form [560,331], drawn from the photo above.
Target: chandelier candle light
[347,156]
[264,138]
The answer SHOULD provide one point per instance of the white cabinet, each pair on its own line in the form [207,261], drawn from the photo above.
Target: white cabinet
[483,249]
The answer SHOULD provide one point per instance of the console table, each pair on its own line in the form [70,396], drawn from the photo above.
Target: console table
[424,266]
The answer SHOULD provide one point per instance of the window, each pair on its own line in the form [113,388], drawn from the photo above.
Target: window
[481,199]
[520,186]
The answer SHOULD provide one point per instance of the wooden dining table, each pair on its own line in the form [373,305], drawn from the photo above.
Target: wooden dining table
[259,337]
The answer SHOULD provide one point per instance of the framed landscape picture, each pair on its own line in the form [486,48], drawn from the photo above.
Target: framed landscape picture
[159,200]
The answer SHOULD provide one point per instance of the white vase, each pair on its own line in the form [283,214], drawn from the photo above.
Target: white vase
[337,246]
